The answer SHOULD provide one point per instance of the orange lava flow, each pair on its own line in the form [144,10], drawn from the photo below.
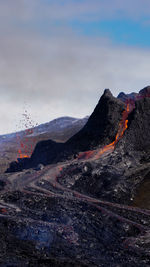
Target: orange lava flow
[21,156]
[122,127]
[86,154]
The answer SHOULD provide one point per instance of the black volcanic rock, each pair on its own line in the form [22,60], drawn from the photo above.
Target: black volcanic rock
[16,166]
[100,129]
[132,97]
[124,97]
[117,177]
[102,125]
[45,152]
[137,136]
[145,92]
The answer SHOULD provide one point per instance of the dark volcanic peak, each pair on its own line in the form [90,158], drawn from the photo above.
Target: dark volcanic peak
[100,129]
[107,93]
[102,126]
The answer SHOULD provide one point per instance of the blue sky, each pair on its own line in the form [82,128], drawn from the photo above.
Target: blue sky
[58,56]
[119,31]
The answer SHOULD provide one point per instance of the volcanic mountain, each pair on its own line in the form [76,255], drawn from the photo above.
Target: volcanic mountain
[100,130]
[84,202]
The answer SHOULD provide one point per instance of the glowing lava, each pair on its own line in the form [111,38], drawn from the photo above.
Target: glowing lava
[24,151]
[95,154]
[122,127]
[26,145]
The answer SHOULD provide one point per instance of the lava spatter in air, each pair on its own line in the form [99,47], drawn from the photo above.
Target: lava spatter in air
[25,146]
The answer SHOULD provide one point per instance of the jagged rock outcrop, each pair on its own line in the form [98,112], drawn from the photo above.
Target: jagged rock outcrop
[145,92]
[124,97]
[137,136]
[16,166]
[102,125]
[132,97]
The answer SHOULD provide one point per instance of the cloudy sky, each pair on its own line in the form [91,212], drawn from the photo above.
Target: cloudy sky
[57,56]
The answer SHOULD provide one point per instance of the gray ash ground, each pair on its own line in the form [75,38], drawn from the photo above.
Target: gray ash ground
[81,212]
[67,215]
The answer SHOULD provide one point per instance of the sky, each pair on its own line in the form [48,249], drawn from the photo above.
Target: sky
[58,56]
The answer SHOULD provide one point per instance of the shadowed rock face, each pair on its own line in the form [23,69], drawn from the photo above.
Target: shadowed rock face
[45,152]
[137,136]
[145,91]
[102,125]
[124,97]
[100,129]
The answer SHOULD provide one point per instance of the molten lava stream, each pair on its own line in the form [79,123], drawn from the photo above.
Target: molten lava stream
[108,148]
[122,127]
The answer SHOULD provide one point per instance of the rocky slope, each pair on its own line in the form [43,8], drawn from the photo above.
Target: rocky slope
[137,136]
[100,129]
[83,210]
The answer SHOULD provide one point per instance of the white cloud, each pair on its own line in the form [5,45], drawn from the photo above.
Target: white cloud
[59,76]
[58,73]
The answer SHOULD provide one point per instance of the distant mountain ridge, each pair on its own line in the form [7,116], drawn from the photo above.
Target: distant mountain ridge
[57,124]
[60,130]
